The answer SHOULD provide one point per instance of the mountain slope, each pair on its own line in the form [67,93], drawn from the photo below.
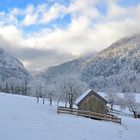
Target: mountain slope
[117,67]
[67,68]
[10,67]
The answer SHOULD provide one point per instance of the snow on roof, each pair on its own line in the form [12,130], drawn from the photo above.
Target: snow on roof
[104,95]
[83,96]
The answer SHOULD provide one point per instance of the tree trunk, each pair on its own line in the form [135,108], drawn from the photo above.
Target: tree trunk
[135,115]
[37,99]
[71,101]
[134,112]
[43,100]
[50,101]
[58,102]
[111,106]
[71,106]
[65,103]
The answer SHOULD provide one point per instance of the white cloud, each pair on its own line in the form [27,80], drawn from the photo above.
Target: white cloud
[31,16]
[7,18]
[11,34]
[88,30]
[55,11]
[42,14]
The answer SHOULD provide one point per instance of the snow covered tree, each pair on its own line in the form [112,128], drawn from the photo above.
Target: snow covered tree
[50,93]
[112,97]
[24,88]
[14,86]
[130,102]
[70,88]
[36,87]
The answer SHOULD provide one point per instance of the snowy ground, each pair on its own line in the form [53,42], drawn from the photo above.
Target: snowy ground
[21,118]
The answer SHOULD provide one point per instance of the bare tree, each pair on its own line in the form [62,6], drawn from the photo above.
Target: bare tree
[50,93]
[112,97]
[36,88]
[130,102]
[70,88]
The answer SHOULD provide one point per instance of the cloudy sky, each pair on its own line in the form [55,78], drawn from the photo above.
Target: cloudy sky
[42,33]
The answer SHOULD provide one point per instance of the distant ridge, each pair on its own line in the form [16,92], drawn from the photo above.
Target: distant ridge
[10,67]
[115,68]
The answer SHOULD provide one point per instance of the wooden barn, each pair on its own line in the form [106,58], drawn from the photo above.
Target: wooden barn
[92,101]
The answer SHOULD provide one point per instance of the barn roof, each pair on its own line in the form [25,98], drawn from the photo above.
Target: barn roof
[88,92]
[83,96]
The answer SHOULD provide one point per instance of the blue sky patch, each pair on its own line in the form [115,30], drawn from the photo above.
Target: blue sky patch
[102,7]
[34,28]
[128,3]
[61,22]
[5,5]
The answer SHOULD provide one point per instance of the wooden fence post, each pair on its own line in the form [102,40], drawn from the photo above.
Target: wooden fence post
[89,114]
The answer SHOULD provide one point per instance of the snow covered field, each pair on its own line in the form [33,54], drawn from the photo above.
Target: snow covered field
[21,118]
